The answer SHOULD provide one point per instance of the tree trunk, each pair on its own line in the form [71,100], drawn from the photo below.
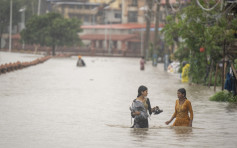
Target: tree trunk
[0,41]
[155,50]
[216,77]
[33,9]
[223,68]
[36,48]
[1,33]
[148,25]
[166,6]
[53,50]
[166,47]
[210,74]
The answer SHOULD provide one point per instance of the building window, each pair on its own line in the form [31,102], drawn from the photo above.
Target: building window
[93,7]
[117,15]
[71,7]
[134,3]
[132,16]
[86,18]
[79,7]
[87,7]
[62,6]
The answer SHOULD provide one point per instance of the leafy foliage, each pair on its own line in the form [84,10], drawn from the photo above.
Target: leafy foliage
[193,28]
[224,96]
[51,30]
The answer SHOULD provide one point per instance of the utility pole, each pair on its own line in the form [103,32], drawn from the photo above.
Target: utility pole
[155,50]
[109,51]
[106,22]
[166,54]
[123,10]
[39,5]
[22,10]
[10,28]
[142,51]
[148,25]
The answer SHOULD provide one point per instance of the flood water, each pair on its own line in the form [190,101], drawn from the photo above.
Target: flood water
[58,105]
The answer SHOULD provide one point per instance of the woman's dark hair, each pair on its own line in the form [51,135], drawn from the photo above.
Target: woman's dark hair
[141,89]
[182,91]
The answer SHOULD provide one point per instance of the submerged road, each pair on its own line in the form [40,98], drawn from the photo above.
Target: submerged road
[58,105]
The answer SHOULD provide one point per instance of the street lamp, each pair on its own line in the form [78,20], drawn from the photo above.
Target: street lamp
[22,26]
[10,28]
[22,10]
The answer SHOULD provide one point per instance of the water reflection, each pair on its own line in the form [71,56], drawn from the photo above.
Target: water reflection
[51,106]
[231,107]
[140,133]
[182,131]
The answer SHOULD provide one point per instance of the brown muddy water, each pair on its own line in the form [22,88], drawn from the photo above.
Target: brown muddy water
[58,105]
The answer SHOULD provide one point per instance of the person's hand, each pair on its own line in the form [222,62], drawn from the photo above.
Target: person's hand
[190,124]
[136,113]
[154,108]
[167,122]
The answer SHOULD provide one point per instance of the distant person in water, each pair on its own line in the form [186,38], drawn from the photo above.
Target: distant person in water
[142,63]
[80,62]
[182,108]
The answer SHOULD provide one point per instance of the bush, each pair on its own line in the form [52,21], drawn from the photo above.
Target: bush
[224,96]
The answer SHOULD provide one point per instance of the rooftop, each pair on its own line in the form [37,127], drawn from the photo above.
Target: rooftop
[119,26]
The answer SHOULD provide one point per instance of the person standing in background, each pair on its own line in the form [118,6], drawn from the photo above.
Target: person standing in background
[142,64]
[185,71]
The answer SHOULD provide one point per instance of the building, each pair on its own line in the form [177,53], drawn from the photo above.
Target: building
[134,11]
[115,39]
[85,11]
[112,11]
[89,11]
[111,27]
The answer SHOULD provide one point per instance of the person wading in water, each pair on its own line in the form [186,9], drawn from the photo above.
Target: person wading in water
[139,108]
[182,107]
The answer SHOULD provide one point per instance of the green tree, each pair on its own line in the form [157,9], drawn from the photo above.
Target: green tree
[198,28]
[51,30]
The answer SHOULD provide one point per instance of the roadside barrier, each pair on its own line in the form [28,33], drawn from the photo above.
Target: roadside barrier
[8,67]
